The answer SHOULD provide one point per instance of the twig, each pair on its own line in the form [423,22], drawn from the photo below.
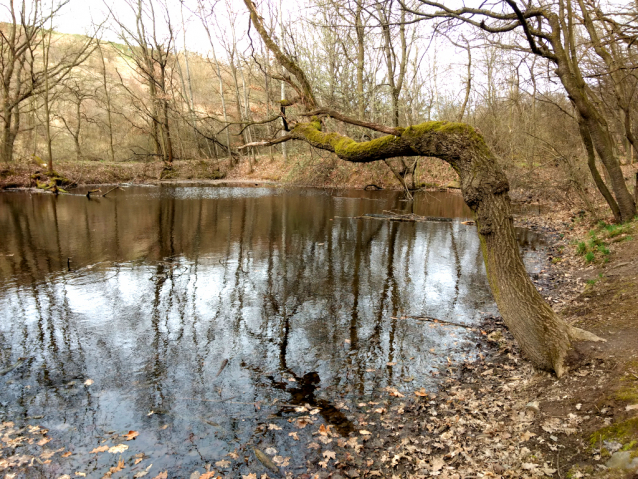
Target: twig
[436,320]
[114,188]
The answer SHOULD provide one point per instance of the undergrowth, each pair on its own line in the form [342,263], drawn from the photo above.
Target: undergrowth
[596,248]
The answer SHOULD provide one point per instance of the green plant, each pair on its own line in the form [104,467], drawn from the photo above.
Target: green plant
[581,248]
[590,256]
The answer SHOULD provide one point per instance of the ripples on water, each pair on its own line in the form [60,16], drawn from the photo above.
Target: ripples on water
[301,303]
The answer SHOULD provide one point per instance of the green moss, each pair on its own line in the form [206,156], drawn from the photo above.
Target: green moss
[624,432]
[344,146]
[447,127]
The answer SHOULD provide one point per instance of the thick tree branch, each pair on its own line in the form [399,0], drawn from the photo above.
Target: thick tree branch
[353,121]
[282,58]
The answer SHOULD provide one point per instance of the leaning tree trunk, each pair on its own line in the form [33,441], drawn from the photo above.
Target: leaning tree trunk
[543,336]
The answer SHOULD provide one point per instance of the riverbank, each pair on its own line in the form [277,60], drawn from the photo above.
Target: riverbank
[302,170]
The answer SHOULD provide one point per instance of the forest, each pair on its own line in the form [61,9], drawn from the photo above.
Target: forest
[523,109]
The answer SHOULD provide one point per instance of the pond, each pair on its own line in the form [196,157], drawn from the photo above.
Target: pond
[210,319]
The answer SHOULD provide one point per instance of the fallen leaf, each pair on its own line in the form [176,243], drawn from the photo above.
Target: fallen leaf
[119,449]
[324,464]
[252,475]
[81,474]
[631,407]
[323,430]
[137,461]
[100,449]
[163,427]
[274,427]
[50,453]
[526,436]
[222,463]
[294,435]
[314,445]
[162,475]
[363,432]
[421,393]
[391,364]
[131,435]
[67,454]
[271,451]
[329,455]
[88,382]
[301,423]
[208,475]
[437,463]
[141,474]
[43,441]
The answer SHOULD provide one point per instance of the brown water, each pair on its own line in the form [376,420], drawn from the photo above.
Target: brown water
[151,291]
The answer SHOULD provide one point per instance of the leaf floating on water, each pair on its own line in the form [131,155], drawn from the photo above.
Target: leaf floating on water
[143,473]
[294,435]
[301,423]
[223,463]
[271,451]
[162,475]
[88,382]
[314,445]
[131,435]
[119,449]
[151,413]
[394,392]
[252,475]
[50,453]
[43,441]
[81,474]
[363,432]
[329,455]
[274,427]
[100,449]
[391,364]
[265,460]
[281,461]
[67,454]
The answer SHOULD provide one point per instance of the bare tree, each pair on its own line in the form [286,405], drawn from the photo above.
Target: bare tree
[23,73]
[548,30]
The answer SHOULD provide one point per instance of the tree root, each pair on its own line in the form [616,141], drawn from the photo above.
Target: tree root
[578,334]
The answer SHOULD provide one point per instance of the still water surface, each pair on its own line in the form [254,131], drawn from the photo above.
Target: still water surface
[203,314]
